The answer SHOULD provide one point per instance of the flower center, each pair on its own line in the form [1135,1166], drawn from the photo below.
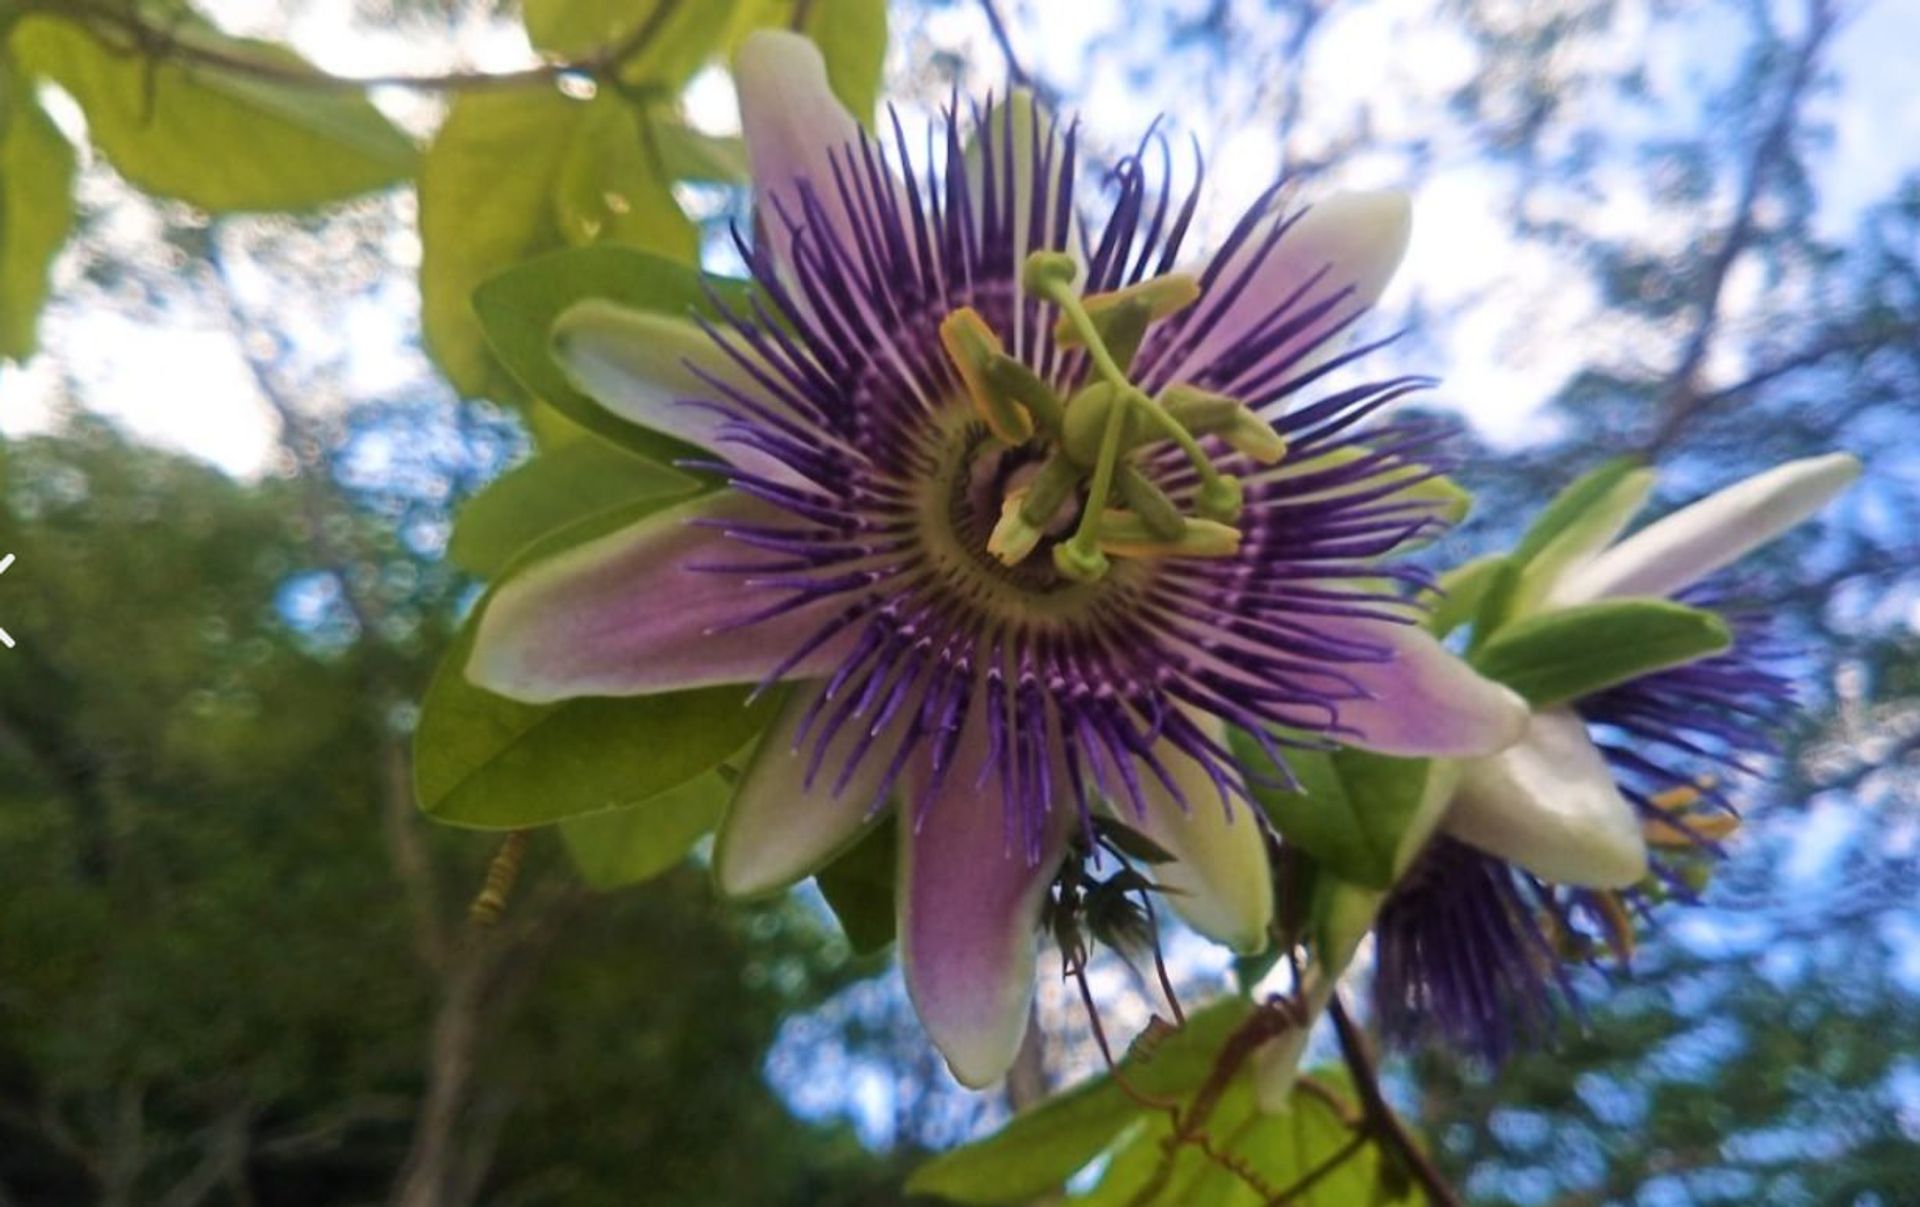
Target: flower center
[1075,461]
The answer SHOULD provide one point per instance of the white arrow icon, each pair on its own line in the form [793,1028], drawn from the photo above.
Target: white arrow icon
[6,638]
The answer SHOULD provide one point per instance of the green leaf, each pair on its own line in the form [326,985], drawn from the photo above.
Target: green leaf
[1043,1146]
[1563,655]
[627,846]
[687,154]
[1358,814]
[221,140]
[557,487]
[36,210]
[613,186]
[518,309]
[681,40]
[513,175]
[851,35]
[1279,1149]
[1339,916]
[488,762]
[859,887]
[1461,591]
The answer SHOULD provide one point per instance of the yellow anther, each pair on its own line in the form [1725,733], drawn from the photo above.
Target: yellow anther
[1013,538]
[1691,831]
[1618,924]
[1124,534]
[1208,414]
[1682,796]
[973,348]
[1151,504]
[1159,297]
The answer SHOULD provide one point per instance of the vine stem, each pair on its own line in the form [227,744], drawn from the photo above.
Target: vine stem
[1381,1118]
[159,42]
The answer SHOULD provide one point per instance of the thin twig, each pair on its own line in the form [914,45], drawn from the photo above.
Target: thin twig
[159,43]
[1016,73]
[1382,1121]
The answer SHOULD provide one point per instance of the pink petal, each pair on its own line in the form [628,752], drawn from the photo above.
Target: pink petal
[781,826]
[969,903]
[1357,238]
[792,121]
[1425,701]
[626,615]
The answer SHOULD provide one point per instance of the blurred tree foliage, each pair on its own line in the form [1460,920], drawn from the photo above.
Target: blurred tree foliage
[214,985]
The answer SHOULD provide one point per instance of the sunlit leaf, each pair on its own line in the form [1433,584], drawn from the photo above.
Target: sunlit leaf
[222,140]
[1572,652]
[1044,1145]
[688,154]
[627,846]
[678,35]
[36,211]
[512,175]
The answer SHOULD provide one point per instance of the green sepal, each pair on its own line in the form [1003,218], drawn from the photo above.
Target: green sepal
[518,308]
[1573,652]
[1461,591]
[1362,816]
[1571,504]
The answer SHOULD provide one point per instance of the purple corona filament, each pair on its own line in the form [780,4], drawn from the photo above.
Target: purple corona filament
[867,443]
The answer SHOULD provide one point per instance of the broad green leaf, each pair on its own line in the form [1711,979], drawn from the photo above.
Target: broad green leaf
[556,488]
[36,210]
[513,175]
[613,186]
[680,41]
[627,846]
[859,887]
[687,154]
[1461,591]
[1280,1149]
[1043,1146]
[486,187]
[518,309]
[1356,813]
[851,35]
[220,140]
[488,762]
[1563,655]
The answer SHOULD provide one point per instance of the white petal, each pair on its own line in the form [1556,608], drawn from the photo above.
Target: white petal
[656,370]
[780,828]
[794,129]
[629,615]
[1550,805]
[1687,546]
[1222,884]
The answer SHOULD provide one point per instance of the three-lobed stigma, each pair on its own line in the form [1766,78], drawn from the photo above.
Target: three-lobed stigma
[1091,440]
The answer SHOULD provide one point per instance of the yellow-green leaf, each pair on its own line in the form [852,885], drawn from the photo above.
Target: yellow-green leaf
[221,140]
[679,41]
[36,211]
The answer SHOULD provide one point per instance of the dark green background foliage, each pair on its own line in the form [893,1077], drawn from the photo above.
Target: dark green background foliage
[236,962]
